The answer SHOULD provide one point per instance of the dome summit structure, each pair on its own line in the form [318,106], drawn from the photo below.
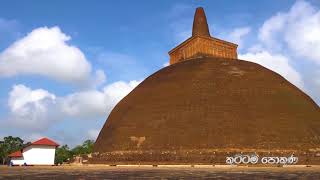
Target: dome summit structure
[201,44]
[208,105]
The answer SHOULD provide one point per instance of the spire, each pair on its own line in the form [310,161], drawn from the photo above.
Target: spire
[200,25]
[201,44]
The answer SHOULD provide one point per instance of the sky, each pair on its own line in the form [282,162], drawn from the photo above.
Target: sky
[64,65]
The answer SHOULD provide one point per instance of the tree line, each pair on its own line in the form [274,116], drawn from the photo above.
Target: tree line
[64,153]
[12,144]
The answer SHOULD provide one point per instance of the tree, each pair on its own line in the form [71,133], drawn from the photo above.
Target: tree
[88,146]
[85,148]
[63,154]
[2,153]
[9,145]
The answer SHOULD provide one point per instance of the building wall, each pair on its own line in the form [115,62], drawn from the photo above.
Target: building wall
[39,155]
[202,46]
[17,160]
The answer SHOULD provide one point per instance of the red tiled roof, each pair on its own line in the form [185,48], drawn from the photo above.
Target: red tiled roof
[15,154]
[45,141]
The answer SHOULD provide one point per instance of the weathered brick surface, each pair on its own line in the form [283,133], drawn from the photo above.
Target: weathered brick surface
[210,104]
[198,46]
[195,157]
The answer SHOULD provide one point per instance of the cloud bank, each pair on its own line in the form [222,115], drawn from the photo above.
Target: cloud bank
[45,52]
[296,30]
[288,41]
[36,109]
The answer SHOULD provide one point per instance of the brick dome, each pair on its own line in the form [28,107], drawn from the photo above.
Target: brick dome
[194,109]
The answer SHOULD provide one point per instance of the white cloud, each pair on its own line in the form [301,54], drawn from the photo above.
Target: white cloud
[269,30]
[30,109]
[93,103]
[22,95]
[119,89]
[276,62]
[100,78]
[237,35]
[37,109]
[84,104]
[295,34]
[298,30]
[45,52]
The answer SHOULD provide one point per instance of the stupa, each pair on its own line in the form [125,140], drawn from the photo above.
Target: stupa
[207,105]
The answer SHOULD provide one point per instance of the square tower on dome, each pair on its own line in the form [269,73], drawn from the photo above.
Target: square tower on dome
[201,44]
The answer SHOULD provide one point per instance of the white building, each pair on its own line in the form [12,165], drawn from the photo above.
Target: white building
[41,152]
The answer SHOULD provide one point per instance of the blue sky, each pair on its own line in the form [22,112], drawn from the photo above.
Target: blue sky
[65,64]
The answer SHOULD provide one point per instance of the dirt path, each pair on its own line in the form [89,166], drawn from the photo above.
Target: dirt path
[106,172]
